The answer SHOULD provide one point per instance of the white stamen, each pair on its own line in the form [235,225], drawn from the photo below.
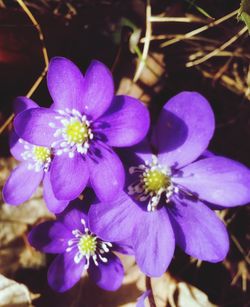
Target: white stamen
[96,252]
[145,178]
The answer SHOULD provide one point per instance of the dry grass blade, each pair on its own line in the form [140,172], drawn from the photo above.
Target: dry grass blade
[199,30]
[146,43]
[172,19]
[217,50]
[45,57]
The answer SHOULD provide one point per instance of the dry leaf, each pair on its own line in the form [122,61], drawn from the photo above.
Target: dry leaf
[168,291]
[14,222]
[13,294]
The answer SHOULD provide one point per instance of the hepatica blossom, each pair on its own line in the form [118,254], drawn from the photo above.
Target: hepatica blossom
[82,125]
[33,169]
[169,193]
[79,251]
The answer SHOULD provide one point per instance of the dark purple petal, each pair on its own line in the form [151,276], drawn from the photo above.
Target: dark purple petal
[66,84]
[184,129]
[64,273]
[69,176]
[21,184]
[98,90]
[198,231]
[124,246]
[153,242]
[143,151]
[54,205]
[74,214]
[207,154]
[108,275]
[126,123]
[141,299]
[114,221]
[33,126]
[106,173]
[217,180]
[16,148]
[50,237]
[22,103]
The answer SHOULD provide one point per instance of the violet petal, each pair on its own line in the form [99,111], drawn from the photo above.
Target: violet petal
[21,184]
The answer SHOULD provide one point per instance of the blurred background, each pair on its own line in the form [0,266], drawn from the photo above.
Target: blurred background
[155,49]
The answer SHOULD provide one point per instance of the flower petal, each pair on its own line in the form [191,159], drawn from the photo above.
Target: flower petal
[33,126]
[74,214]
[54,205]
[108,275]
[64,273]
[69,176]
[66,84]
[23,103]
[106,173]
[98,90]
[114,221]
[198,231]
[217,180]
[121,125]
[50,237]
[21,184]
[153,242]
[184,129]
[16,147]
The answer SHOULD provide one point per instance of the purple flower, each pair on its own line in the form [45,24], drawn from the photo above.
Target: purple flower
[33,169]
[79,250]
[169,194]
[82,125]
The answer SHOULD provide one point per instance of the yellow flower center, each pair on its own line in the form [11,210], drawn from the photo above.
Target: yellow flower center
[77,132]
[155,180]
[87,245]
[41,154]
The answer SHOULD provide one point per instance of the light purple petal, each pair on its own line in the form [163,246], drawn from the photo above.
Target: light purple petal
[218,180]
[106,173]
[16,148]
[153,242]
[69,176]
[198,231]
[98,90]
[108,275]
[33,126]
[184,129]
[22,103]
[142,298]
[126,123]
[54,205]
[21,184]
[66,84]
[64,273]
[50,237]
[114,221]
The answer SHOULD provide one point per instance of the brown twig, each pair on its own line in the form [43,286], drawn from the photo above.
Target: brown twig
[45,57]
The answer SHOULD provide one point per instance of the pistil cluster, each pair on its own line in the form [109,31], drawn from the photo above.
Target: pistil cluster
[88,246]
[39,157]
[153,181]
[73,132]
